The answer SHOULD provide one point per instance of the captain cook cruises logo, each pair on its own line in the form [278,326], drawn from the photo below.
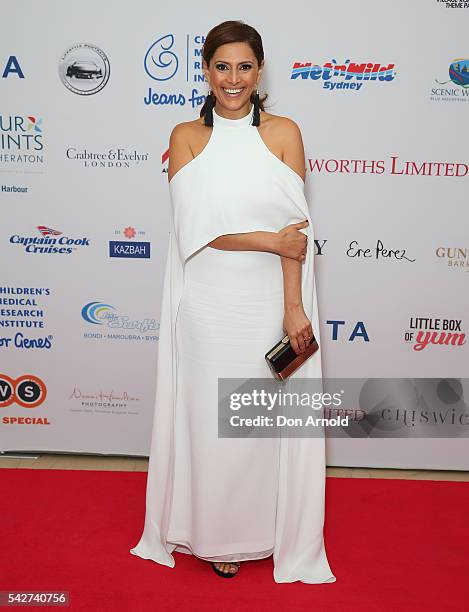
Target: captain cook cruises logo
[50,241]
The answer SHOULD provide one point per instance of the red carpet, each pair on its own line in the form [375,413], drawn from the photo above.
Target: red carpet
[394,545]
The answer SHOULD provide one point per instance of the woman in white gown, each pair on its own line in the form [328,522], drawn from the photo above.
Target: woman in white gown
[239,274]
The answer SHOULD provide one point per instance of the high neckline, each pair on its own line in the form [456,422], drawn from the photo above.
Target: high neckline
[223,121]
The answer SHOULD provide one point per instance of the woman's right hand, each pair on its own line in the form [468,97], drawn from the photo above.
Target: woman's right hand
[291,242]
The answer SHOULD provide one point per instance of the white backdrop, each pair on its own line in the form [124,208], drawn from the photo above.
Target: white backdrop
[84,161]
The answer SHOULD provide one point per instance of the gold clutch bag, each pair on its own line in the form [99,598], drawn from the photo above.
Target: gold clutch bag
[283,360]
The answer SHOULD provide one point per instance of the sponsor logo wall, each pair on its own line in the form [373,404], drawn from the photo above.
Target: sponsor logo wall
[84,202]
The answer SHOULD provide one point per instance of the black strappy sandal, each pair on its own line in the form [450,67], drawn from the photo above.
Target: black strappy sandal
[225,574]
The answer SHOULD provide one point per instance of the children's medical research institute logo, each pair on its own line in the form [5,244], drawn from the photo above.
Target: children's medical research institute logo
[84,69]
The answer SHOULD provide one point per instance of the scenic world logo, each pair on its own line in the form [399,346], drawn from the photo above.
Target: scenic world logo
[456,87]
[349,75]
[50,241]
[174,66]
[119,326]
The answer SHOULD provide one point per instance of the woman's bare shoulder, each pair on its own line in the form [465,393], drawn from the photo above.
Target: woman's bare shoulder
[283,126]
[187,140]
[188,130]
[283,137]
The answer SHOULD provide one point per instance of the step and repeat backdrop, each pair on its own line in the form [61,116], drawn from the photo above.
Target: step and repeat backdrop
[89,95]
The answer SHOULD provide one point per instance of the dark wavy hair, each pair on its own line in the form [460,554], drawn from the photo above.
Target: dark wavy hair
[230,32]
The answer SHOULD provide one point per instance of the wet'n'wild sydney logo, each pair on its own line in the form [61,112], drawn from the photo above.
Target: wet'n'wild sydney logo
[349,75]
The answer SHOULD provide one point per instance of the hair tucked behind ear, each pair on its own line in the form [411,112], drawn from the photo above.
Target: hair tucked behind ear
[222,34]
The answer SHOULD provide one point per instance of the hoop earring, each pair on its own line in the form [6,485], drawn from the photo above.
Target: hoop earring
[208,116]
[256,118]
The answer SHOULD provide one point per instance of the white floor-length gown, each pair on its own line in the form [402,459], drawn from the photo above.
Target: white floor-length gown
[225,499]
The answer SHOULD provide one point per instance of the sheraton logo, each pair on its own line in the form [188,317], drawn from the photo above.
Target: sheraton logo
[21,140]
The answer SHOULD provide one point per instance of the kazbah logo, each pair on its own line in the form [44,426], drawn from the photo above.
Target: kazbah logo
[348,75]
[58,244]
[84,69]
[138,250]
[162,63]
[101,313]
[458,72]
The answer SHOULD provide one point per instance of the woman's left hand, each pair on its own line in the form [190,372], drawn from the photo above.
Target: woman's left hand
[298,327]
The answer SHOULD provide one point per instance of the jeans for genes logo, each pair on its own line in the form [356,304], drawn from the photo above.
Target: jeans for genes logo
[173,63]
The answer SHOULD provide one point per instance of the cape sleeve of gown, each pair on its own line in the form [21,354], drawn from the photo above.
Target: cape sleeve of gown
[197,219]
